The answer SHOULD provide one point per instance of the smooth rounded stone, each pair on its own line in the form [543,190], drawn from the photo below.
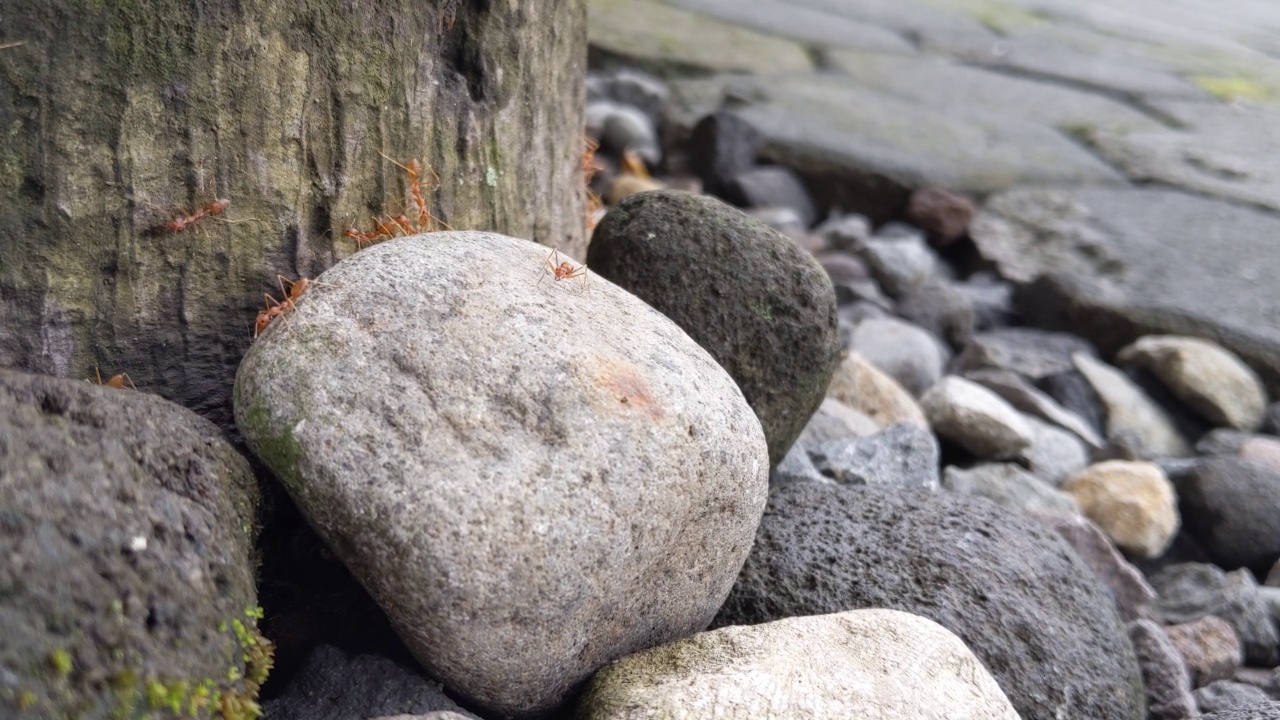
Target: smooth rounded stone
[1024,396]
[856,664]
[785,220]
[1230,506]
[940,308]
[835,421]
[127,531]
[1254,711]
[1054,454]
[1262,449]
[796,466]
[1013,590]
[1190,591]
[595,115]
[1134,420]
[761,306]
[1133,503]
[1074,392]
[1209,647]
[976,419]
[942,213]
[866,297]
[635,88]
[901,455]
[630,128]
[1211,380]
[846,232]
[436,384]
[842,267]
[334,685]
[1271,598]
[1009,486]
[860,385]
[721,146]
[807,240]
[899,264]
[1221,441]
[1129,589]
[1163,672]
[1034,354]
[906,352]
[1225,694]
[771,186]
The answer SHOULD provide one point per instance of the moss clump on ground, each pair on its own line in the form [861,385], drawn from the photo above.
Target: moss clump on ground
[1230,89]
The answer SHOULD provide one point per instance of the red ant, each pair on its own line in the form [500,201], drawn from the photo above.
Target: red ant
[179,224]
[276,308]
[116,381]
[563,270]
[387,229]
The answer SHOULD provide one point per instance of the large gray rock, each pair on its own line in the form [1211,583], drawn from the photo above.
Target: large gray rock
[333,685]
[1125,263]
[532,477]
[761,306]
[127,527]
[1224,695]
[1011,589]
[1029,352]
[1129,589]
[1230,506]
[857,664]
[901,455]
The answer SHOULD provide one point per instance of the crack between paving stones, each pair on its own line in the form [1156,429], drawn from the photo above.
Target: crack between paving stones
[1129,100]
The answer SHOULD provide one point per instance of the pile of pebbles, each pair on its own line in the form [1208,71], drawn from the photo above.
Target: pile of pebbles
[1158,464]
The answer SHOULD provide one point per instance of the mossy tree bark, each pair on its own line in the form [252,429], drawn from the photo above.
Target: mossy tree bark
[117,116]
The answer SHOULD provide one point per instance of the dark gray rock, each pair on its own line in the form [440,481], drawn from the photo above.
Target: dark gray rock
[846,232]
[905,352]
[842,267]
[632,87]
[1012,590]
[1225,694]
[1222,442]
[1134,262]
[991,299]
[1027,398]
[900,264]
[1230,506]
[1190,591]
[629,128]
[1011,487]
[940,307]
[1271,420]
[1168,688]
[1077,395]
[771,186]
[796,466]
[722,146]
[1035,354]
[761,306]
[333,685]
[127,527]
[900,456]
[1254,711]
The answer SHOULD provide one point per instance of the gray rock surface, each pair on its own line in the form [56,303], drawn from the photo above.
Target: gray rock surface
[1011,589]
[333,685]
[1011,487]
[856,664]
[1054,454]
[796,466]
[1254,711]
[1134,421]
[1163,672]
[761,306]
[127,528]
[722,146]
[833,420]
[1212,381]
[906,352]
[771,186]
[1128,588]
[901,456]
[1134,262]
[975,418]
[1224,695]
[1026,397]
[432,385]
[1031,353]
[900,264]
[1190,591]
[941,307]
[1230,506]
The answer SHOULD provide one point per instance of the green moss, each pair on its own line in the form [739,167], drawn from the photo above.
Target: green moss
[280,451]
[1006,19]
[1230,89]
[26,700]
[60,660]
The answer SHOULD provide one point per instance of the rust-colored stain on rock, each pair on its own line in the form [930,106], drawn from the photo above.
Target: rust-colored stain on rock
[629,388]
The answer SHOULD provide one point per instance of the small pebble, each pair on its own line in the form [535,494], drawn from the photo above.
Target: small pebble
[976,419]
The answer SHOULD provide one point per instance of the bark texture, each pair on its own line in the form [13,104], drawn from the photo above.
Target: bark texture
[118,116]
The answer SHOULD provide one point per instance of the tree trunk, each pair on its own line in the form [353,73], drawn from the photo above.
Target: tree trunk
[118,117]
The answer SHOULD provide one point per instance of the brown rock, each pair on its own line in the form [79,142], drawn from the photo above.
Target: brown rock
[1133,503]
[943,214]
[858,384]
[1210,648]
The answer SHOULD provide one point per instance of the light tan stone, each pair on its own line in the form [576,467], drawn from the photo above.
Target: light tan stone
[860,385]
[1133,503]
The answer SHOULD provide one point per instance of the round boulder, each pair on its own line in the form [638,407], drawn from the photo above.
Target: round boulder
[1014,591]
[1230,506]
[532,476]
[126,556]
[761,306]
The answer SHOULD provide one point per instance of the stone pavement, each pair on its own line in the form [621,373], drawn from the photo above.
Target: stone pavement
[1156,123]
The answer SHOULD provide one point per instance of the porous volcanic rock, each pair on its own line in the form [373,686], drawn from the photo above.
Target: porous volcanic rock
[1013,590]
[531,476]
[762,307]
